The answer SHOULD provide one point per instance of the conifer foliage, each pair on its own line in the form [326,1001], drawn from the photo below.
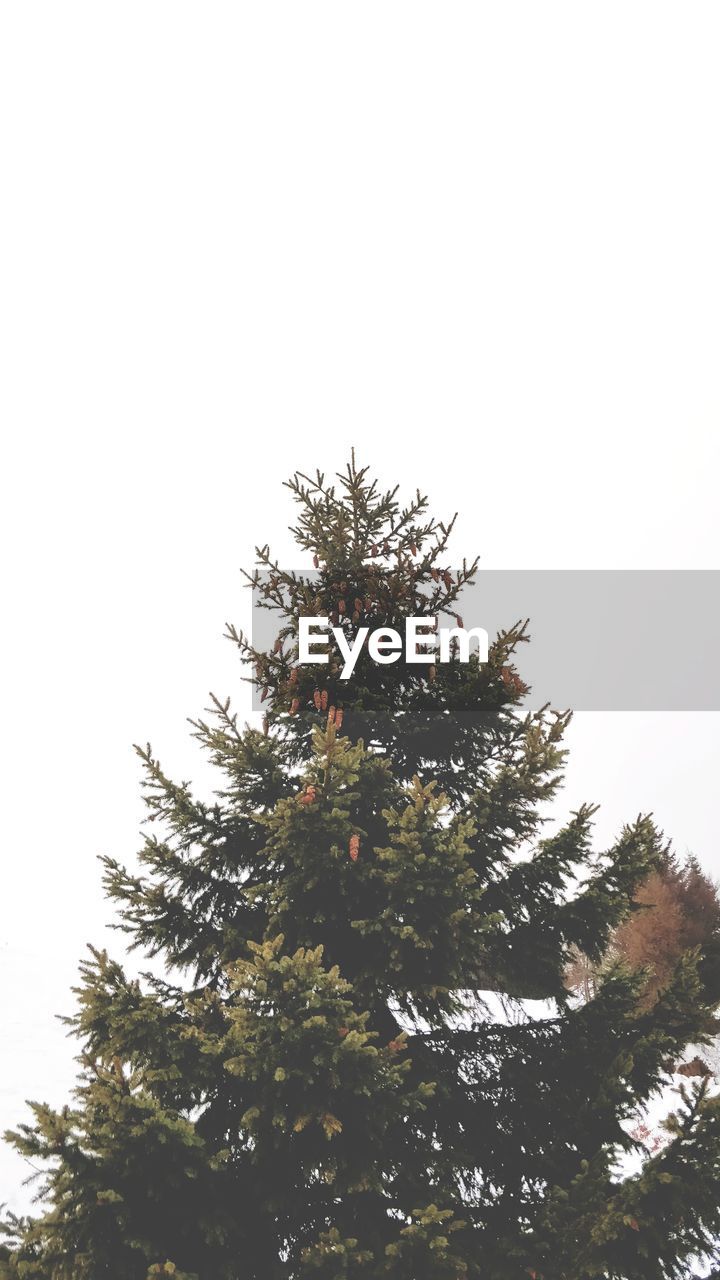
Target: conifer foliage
[319,1087]
[676,909]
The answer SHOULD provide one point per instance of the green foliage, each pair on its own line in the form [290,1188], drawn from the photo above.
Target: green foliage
[314,1068]
[318,1089]
[426,1246]
[334,1257]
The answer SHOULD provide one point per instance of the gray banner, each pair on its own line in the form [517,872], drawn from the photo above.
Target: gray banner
[600,640]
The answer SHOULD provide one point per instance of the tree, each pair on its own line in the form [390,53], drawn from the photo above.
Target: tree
[318,1088]
[675,909]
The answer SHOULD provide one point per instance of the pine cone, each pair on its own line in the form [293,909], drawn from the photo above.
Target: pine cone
[339,718]
[317,699]
[324,700]
[354,848]
[294,706]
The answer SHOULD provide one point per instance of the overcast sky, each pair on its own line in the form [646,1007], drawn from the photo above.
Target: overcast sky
[478,242]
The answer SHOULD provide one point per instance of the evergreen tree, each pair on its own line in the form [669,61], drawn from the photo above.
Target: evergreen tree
[675,909]
[318,1089]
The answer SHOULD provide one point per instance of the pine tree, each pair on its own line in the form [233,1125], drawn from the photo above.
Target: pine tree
[318,1088]
[675,909]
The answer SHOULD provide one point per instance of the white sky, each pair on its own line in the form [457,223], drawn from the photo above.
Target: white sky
[479,242]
